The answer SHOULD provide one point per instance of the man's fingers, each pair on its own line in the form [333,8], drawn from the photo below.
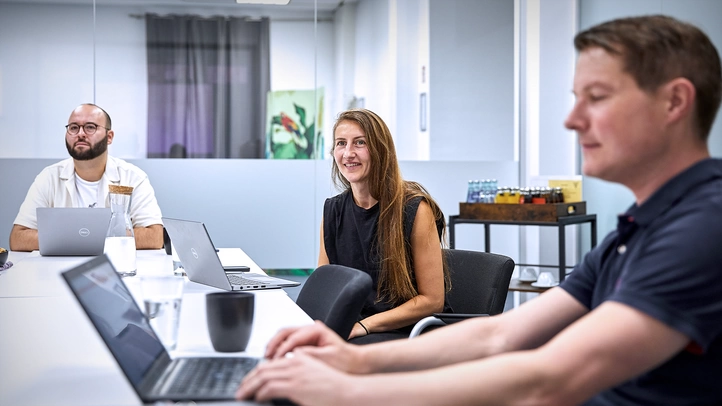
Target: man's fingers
[310,335]
[254,382]
[278,339]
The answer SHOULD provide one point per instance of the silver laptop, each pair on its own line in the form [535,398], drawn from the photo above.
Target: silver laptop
[72,230]
[200,260]
[135,346]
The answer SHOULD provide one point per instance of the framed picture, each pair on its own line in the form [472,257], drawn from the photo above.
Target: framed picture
[293,131]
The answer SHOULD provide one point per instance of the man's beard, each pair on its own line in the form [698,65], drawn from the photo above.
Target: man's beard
[91,153]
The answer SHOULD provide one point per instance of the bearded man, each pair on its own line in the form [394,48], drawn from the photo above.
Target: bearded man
[83,179]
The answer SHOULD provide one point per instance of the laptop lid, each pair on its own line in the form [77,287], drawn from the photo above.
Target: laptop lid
[135,346]
[72,230]
[198,255]
[118,319]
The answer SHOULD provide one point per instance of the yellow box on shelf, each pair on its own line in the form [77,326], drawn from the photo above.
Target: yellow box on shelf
[572,189]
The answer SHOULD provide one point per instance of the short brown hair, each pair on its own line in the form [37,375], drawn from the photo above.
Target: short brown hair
[656,49]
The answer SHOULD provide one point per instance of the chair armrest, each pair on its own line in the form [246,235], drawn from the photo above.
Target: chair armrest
[424,323]
[450,318]
[440,319]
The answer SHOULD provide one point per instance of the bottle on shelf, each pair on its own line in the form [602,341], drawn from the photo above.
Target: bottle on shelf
[484,191]
[470,192]
[557,195]
[513,197]
[500,196]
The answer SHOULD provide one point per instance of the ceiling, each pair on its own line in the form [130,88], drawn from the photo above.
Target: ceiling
[294,5]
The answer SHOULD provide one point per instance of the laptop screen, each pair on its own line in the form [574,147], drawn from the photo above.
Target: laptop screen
[116,316]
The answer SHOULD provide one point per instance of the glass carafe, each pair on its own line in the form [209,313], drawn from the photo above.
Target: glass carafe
[120,239]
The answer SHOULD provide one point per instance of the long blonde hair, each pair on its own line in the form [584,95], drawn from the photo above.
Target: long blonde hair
[392,192]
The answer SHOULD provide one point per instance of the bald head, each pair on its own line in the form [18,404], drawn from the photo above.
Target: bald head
[92,109]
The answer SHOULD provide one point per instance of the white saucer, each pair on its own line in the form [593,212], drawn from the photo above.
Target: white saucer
[527,279]
[536,285]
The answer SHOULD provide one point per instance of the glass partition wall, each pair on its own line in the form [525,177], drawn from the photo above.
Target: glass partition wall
[168,71]
[211,78]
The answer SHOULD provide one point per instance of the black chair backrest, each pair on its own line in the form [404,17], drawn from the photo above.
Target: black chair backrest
[335,295]
[479,281]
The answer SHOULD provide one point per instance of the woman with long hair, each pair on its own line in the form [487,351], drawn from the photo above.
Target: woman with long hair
[385,226]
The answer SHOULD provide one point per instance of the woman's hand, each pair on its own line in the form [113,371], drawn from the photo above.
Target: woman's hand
[357,331]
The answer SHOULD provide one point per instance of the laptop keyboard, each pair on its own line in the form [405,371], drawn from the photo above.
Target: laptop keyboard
[210,377]
[240,280]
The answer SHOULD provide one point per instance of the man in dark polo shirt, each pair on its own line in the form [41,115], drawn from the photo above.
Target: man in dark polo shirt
[638,322]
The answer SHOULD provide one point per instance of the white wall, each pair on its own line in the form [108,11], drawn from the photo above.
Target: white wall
[121,80]
[381,48]
[44,76]
[412,50]
[345,64]
[471,80]
[375,77]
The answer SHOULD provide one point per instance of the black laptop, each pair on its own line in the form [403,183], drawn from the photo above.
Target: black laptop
[137,349]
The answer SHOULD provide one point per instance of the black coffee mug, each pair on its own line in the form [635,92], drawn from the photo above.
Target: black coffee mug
[3,256]
[230,319]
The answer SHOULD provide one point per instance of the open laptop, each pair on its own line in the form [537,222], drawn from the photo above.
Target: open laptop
[200,260]
[72,230]
[136,347]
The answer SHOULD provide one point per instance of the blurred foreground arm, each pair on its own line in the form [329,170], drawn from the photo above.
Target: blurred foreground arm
[607,347]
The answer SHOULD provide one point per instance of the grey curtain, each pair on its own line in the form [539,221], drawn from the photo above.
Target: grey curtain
[207,85]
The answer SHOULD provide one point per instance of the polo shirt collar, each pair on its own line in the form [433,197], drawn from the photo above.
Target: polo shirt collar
[665,197]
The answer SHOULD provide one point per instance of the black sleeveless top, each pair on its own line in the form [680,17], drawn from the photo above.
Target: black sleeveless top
[350,239]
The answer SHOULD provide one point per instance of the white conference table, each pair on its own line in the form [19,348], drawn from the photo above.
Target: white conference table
[50,354]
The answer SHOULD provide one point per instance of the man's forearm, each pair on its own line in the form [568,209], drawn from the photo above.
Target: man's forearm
[149,238]
[509,379]
[23,238]
[422,352]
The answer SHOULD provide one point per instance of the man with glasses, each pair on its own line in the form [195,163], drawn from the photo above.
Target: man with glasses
[83,179]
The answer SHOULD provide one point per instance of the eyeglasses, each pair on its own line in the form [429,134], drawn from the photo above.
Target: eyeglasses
[88,128]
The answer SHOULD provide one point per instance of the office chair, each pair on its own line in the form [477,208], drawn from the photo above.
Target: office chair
[166,242]
[178,151]
[479,284]
[335,295]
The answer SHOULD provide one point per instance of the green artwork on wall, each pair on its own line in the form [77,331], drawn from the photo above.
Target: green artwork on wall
[293,131]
